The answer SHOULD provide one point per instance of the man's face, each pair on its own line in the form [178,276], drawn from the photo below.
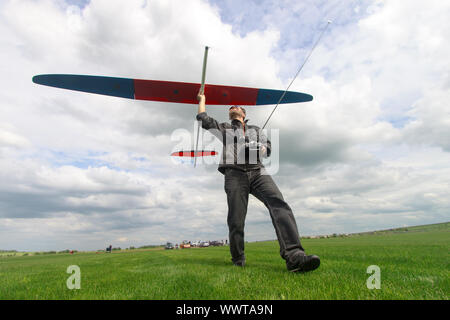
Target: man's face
[236,111]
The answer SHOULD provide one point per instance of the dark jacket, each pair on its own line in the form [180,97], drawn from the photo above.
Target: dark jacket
[238,141]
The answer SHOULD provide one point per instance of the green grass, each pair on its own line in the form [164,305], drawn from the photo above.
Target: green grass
[414,265]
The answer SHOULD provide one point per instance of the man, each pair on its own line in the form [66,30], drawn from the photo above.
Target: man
[243,147]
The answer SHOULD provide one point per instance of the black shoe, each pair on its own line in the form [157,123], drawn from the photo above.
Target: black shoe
[239,263]
[303,263]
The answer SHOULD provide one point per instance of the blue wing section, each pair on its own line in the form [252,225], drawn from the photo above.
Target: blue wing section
[117,87]
[267,96]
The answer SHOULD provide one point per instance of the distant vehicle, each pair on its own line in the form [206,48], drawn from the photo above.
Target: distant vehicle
[185,245]
[169,245]
[195,244]
[204,244]
[216,243]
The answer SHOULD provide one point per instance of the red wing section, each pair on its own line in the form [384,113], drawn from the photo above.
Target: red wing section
[182,92]
[192,154]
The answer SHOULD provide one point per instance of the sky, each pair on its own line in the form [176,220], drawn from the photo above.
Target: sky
[82,171]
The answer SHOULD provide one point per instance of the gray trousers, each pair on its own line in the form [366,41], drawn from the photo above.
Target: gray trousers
[238,186]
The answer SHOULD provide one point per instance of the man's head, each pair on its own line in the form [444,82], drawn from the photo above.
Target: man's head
[237,112]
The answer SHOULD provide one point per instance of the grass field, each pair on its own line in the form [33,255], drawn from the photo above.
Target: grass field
[414,265]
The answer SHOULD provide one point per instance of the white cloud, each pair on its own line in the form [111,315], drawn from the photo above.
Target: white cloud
[431,119]
[11,139]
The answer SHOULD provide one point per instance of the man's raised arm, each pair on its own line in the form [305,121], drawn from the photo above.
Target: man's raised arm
[207,122]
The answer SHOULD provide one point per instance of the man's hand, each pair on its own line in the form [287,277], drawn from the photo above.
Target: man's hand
[263,151]
[201,97]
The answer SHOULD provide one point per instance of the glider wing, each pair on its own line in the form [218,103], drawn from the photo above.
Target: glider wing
[168,91]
